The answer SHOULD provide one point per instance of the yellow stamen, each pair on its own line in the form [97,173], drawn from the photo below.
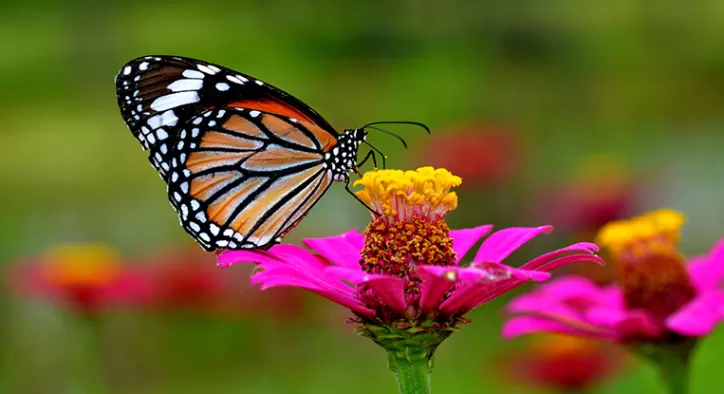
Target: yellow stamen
[79,264]
[660,227]
[651,269]
[424,192]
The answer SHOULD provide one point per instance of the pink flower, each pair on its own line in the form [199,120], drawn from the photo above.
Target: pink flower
[657,295]
[405,271]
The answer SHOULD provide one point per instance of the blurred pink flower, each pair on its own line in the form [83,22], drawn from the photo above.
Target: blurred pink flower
[484,156]
[187,279]
[563,363]
[89,278]
[658,295]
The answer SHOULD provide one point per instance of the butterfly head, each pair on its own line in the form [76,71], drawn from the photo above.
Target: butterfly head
[342,158]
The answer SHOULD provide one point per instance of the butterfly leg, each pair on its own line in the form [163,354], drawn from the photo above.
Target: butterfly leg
[384,162]
[370,154]
[346,187]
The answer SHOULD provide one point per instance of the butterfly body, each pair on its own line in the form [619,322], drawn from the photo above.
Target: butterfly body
[244,161]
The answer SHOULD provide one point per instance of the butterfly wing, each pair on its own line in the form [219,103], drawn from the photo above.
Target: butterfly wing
[243,160]
[159,94]
[243,178]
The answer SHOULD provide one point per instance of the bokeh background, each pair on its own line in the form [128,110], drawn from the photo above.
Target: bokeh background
[569,113]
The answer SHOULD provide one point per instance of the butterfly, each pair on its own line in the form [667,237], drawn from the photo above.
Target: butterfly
[243,161]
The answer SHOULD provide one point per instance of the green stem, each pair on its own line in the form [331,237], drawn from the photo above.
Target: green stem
[413,375]
[671,361]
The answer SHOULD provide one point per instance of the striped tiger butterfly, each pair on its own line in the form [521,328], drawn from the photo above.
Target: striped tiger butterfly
[243,161]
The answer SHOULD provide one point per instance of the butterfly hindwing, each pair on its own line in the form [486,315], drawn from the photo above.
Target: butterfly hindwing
[242,179]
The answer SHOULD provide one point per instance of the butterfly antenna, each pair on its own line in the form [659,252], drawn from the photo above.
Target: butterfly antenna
[399,122]
[404,143]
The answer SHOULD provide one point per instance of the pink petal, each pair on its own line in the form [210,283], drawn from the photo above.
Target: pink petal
[572,286]
[502,243]
[524,325]
[352,275]
[585,247]
[627,323]
[561,261]
[698,317]
[464,239]
[707,272]
[230,257]
[390,291]
[433,288]
[343,250]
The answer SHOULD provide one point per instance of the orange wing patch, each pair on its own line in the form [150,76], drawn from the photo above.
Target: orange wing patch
[326,140]
[240,125]
[205,186]
[271,106]
[306,198]
[275,157]
[221,210]
[286,131]
[203,160]
[252,213]
[216,139]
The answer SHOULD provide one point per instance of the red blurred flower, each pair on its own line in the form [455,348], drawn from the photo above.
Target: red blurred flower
[88,278]
[483,156]
[563,363]
[188,279]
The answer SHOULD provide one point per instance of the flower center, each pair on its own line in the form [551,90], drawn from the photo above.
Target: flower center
[651,269]
[411,229]
[81,265]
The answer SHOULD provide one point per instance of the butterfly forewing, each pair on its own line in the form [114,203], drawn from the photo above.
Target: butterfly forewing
[157,94]
[243,160]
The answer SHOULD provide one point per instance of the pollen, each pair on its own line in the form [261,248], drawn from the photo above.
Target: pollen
[425,192]
[79,264]
[650,266]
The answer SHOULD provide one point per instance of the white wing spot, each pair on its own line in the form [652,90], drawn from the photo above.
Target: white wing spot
[242,78]
[205,237]
[228,232]
[212,123]
[214,229]
[195,132]
[206,69]
[167,118]
[176,196]
[174,100]
[195,227]
[126,70]
[197,120]
[258,82]
[161,134]
[221,113]
[186,84]
[216,69]
[185,188]
[234,79]
[174,178]
[143,66]
[254,114]
[201,217]
[222,86]
[184,211]
[195,204]
[222,243]
[192,74]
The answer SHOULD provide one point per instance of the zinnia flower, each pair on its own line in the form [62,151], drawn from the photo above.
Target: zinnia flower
[562,362]
[659,307]
[89,278]
[402,278]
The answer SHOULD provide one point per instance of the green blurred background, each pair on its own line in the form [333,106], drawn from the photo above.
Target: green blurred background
[614,98]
